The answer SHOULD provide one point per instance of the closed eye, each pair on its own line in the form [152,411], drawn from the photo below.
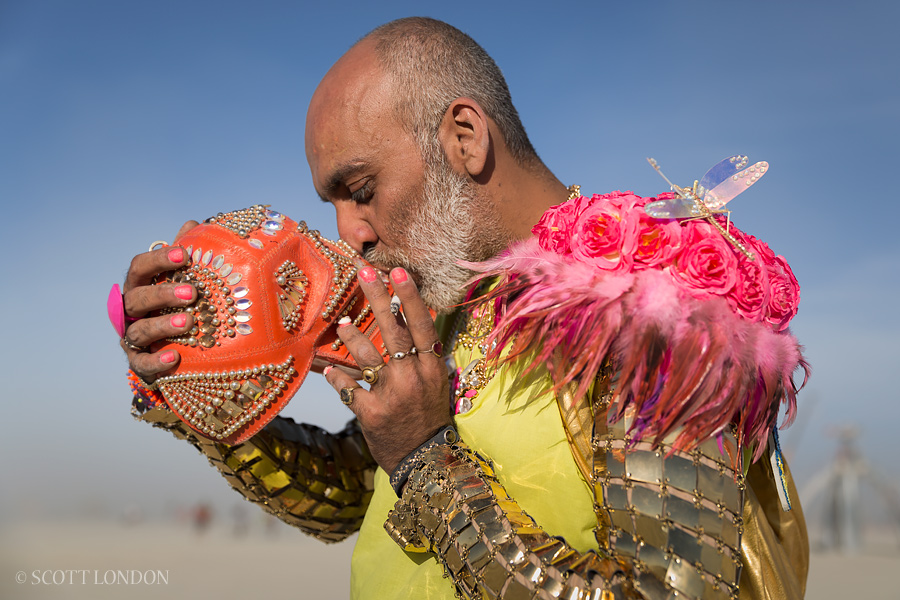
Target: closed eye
[364,194]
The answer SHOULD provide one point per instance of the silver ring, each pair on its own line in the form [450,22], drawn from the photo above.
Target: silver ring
[395,305]
[370,374]
[158,244]
[131,345]
[401,355]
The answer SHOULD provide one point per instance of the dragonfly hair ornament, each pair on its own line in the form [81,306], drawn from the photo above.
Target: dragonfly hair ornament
[707,197]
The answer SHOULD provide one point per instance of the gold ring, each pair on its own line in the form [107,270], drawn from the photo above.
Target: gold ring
[437,349]
[160,243]
[370,374]
[347,394]
[401,355]
[132,345]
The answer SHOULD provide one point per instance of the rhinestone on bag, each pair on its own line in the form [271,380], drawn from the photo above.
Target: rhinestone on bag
[242,222]
[212,319]
[220,403]
[341,256]
[293,283]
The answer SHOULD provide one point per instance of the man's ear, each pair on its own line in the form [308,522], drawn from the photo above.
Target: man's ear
[465,137]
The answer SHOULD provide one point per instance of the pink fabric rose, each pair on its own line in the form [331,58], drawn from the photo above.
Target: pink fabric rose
[750,296]
[606,232]
[554,230]
[658,240]
[614,233]
[763,253]
[785,295]
[626,201]
[784,291]
[706,264]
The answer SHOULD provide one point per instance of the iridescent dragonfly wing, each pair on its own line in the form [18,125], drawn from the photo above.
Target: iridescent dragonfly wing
[682,206]
[676,208]
[721,171]
[723,192]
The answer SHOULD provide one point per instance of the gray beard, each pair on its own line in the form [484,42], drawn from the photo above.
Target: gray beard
[449,224]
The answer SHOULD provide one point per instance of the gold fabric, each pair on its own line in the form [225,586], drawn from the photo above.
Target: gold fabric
[585,425]
[775,546]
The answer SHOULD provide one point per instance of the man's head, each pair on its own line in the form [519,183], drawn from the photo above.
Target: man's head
[405,136]
[431,64]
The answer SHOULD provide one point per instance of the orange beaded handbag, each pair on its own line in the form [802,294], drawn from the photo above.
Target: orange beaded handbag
[270,293]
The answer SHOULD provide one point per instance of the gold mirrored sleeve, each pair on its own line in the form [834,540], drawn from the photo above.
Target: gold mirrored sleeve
[675,515]
[314,480]
[454,506]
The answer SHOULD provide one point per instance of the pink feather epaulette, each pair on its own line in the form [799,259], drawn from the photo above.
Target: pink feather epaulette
[687,365]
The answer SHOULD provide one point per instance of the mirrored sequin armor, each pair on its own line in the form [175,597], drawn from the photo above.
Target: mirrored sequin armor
[309,478]
[455,507]
[670,523]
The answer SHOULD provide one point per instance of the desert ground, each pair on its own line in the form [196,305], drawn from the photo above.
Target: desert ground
[252,557]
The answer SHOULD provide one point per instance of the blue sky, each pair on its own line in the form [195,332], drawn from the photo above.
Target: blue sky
[118,121]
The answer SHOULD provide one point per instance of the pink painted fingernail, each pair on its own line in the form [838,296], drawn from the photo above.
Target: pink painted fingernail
[344,321]
[399,275]
[167,357]
[367,274]
[178,320]
[327,369]
[184,292]
[176,255]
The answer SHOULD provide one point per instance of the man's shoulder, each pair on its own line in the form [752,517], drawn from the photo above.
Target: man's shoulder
[695,326]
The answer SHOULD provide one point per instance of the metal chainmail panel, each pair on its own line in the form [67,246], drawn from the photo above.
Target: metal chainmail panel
[314,480]
[677,515]
[454,506]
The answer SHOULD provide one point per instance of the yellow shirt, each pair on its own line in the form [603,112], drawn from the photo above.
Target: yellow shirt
[515,423]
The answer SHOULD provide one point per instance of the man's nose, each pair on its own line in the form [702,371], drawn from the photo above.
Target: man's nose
[353,227]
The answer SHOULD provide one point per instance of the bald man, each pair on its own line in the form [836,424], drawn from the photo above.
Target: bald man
[413,138]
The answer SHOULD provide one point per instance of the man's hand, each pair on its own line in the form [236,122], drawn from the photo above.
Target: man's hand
[141,297]
[410,399]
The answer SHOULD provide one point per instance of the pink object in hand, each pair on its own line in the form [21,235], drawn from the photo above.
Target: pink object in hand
[115,308]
